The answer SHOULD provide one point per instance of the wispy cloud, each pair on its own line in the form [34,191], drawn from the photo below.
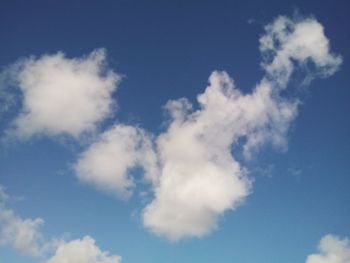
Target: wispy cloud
[287,41]
[22,234]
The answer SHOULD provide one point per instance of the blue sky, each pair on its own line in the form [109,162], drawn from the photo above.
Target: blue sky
[250,166]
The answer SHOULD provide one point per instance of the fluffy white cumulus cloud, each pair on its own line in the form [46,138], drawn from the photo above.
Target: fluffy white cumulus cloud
[332,249]
[23,234]
[194,173]
[82,251]
[200,179]
[63,95]
[107,162]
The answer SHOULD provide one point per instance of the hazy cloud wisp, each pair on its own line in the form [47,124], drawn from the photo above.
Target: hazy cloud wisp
[22,234]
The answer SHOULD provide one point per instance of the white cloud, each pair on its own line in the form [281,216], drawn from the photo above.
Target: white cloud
[332,249]
[300,40]
[200,178]
[107,162]
[62,95]
[191,168]
[194,175]
[25,236]
[82,251]
[22,234]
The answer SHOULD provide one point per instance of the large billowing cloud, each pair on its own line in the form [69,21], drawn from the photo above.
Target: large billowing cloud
[107,162]
[198,178]
[63,95]
[332,249]
[82,251]
[25,236]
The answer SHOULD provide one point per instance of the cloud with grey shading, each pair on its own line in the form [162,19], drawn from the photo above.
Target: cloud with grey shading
[189,167]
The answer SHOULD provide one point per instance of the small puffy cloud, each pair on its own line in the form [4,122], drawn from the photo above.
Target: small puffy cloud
[107,162]
[82,251]
[332,249]
[22,234]
[63,95]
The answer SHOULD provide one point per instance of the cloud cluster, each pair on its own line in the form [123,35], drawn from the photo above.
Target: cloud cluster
[332,249]
[25,236]
[195,177]
[63,95]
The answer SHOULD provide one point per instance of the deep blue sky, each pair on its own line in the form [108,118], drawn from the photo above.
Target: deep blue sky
[166,50]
